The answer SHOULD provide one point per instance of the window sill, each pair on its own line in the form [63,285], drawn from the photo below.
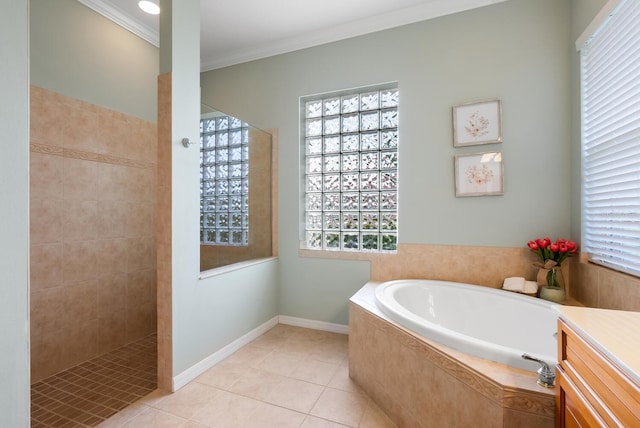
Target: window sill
[233,267]
[343,255]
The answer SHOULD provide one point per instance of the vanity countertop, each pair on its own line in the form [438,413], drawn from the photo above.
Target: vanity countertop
[614,333]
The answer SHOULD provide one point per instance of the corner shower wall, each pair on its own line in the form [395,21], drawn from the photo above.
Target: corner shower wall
[93,246]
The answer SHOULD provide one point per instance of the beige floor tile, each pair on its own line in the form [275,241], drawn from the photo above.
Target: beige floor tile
[155,418]
[315,371]
[226,410]
[282,330]
[341,380]
[332,350]
[250,355]
[256,383]
[222,375]
[191,424]
[267,415]
[188,400]
[340,406]
[313,422]
[297,347]
[274,341]
[374,417]
[280,363]
[295,395]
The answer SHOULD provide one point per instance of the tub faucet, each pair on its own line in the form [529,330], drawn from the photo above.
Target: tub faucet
[546,376]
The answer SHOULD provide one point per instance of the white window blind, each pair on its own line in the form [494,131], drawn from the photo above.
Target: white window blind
[610,62]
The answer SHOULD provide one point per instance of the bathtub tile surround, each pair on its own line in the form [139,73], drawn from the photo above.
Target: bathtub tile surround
[419,383]
[487,266]
[589,284]
[598,287]
[92,190]
[288,377]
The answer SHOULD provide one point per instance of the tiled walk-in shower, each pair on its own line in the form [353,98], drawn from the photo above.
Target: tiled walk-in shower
[91,392]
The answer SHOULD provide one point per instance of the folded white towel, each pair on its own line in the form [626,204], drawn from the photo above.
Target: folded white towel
[515,283]
[530,287]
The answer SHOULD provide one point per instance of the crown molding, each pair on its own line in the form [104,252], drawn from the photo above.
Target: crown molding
[397,18]
[425,11]
[119,17]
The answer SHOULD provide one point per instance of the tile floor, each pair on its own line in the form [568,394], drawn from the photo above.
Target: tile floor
[91,392]
[288,377]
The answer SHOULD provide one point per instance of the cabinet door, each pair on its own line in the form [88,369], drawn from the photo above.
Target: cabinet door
[574,409]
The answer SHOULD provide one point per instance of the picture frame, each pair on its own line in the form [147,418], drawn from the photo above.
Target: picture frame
[477,123]
[479,174]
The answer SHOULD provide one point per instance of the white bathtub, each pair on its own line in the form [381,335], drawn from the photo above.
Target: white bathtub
[493,324]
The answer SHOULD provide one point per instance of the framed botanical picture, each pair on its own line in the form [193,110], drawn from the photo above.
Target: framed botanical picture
[477,123]
[479,174]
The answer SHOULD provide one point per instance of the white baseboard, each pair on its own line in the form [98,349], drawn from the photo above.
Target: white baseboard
[197,369]
[315,325]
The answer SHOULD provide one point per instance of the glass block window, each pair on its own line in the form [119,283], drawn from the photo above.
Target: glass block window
[350,151]
[224,181]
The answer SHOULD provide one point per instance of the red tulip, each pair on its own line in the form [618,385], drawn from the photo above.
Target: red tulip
[542,243]
[533,245]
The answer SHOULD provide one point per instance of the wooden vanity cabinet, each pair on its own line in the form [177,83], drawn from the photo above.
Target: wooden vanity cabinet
[590,390]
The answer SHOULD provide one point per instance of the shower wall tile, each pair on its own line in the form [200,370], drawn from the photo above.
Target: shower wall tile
[80,261]
[46,354]
[141,287]
[141,253]
[112,294]
[142,221]
[46,266]
[45,175]
[80,303]
[111,325]
[112,182]
[80,220]
[112,138]
[47,310]
[80,179]
[80,342]
[46,116]
[80,125]
[112,257]
[46,219]
[112,218]
[93,191]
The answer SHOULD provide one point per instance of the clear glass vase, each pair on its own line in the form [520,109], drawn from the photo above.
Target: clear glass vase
[554,289]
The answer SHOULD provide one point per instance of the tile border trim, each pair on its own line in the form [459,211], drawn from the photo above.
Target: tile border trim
[89,156]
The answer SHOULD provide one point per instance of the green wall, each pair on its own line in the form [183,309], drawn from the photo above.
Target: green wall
[517,51]
[209,313]
[14,215]
[583,12]
[81,54]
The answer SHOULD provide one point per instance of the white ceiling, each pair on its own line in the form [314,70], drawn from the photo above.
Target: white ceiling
[243,30]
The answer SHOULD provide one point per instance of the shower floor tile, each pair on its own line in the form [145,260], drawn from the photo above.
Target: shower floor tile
[91,392]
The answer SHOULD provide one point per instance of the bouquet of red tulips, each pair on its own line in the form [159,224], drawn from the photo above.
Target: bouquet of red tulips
[556,251]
